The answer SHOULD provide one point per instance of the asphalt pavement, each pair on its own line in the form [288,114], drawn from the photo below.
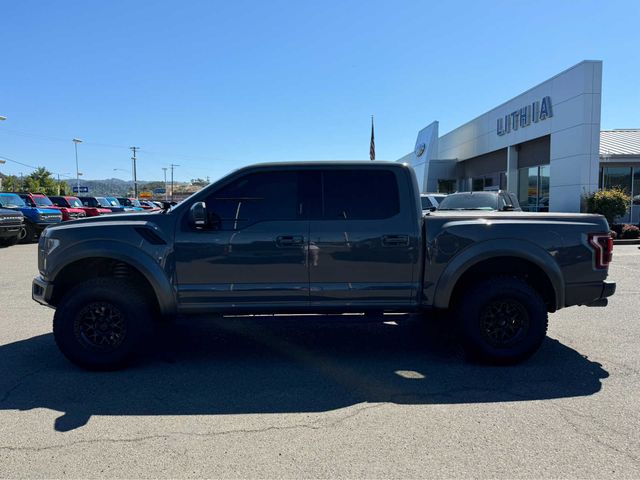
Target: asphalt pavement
[305,396]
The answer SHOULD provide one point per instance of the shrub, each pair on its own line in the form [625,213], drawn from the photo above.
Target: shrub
[630,231]
[611,203]
[613,234]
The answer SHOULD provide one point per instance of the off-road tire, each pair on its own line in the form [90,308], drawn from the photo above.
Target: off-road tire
[501,320]
[30,234]
[110,341]
[8,242]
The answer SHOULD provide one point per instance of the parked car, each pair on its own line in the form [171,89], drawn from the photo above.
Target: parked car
[74,202]
[430,201]
[11,227]
[130,203]
[150,206]
[41,200]
[101,202]
[303,237]
[113,201]
[36,219]
[498,201]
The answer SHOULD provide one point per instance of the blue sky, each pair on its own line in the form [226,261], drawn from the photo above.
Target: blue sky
[213,85]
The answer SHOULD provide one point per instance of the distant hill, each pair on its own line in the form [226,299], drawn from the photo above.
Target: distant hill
[121,188]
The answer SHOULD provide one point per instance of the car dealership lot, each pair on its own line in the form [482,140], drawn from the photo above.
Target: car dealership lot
[322,397]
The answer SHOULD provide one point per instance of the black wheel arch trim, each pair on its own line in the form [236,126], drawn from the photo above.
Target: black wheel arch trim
[489,249]
[147,266]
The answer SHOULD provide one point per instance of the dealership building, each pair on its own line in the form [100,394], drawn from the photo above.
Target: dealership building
[544,145]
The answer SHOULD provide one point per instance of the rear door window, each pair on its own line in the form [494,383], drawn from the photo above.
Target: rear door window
[359,194]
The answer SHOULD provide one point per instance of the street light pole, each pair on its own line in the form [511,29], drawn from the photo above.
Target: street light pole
[2,118]
[76,141]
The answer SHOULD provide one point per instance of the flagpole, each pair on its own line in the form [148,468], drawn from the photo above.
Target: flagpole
[372,145]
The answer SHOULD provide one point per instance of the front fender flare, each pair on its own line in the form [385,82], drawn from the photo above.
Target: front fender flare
[144,263]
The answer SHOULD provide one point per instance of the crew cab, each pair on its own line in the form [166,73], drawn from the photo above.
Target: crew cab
[11,227]
[41,200]
[36,219]
[74,202]
[318,237]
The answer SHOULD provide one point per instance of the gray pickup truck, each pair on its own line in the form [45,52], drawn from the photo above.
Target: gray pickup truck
[318,237]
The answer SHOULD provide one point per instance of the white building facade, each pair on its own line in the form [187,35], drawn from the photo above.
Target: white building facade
[542,145]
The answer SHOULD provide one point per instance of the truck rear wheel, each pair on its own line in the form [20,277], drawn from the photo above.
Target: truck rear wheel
[502,320]
[99,324]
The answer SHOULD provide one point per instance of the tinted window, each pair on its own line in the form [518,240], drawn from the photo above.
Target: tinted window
[254,198]
[426,203]
[360,194]
[469,201]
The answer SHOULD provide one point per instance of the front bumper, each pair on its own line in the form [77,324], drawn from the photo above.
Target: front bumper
[41,291]
[10,230]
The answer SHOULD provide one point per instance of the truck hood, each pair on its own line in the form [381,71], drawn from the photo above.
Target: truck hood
[119,218]
[7,212]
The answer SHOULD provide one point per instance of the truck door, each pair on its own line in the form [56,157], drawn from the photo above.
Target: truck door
[364,247]
[253,251]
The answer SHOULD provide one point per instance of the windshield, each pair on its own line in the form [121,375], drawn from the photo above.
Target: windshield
[136,203]
[103,202]
[113,202]
[11,200]
[470,201]
[74,202]
[42,201]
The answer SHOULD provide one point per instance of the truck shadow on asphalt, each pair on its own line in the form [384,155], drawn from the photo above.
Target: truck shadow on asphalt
[284,365]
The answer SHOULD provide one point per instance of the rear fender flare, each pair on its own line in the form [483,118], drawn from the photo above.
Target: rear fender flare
[492,249]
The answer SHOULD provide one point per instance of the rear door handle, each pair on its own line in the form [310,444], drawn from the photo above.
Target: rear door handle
[289,240]
[395,240]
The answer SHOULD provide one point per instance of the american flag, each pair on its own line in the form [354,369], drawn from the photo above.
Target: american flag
[372,146]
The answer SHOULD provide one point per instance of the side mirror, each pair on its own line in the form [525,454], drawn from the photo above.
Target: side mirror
[198,215]
[433,209]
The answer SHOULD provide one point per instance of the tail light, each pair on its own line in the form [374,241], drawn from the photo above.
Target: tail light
[602,244]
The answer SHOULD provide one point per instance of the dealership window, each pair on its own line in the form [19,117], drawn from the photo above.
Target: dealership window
[489,182]
[533,188]
[446,186]
[627,179]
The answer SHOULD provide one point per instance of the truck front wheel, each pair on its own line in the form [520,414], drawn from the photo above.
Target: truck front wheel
[99,323]
[502,320]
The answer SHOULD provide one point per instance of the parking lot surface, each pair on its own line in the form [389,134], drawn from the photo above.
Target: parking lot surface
[316,396]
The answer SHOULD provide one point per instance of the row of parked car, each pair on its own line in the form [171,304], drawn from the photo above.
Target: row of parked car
[23,216]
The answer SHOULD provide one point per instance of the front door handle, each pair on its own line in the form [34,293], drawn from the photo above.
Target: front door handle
[289,240]
[395,240]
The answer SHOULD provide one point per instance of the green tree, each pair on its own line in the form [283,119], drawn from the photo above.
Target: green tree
[611,203]
[11,183]
[40,180]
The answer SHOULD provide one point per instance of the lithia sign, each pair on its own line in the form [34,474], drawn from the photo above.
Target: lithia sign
[534,112]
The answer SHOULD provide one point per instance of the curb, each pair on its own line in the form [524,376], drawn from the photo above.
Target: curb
[627,241]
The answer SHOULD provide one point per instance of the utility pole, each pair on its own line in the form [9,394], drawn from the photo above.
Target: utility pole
[172,166]
[133,171]
[164,169]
